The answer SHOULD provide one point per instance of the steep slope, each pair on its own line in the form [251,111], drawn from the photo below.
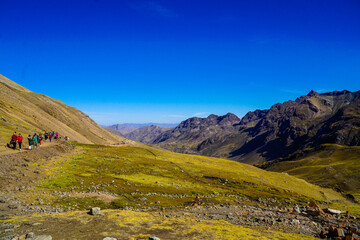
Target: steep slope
[306,122]
[146,134]
[212,136]
[27,112]
[265,135]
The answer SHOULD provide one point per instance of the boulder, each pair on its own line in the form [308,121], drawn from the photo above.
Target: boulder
[340,232]
[95,211]
[30,235]
[154,238]
[109,238]
[334,211]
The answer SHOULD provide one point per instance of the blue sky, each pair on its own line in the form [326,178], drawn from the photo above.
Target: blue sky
[164,61]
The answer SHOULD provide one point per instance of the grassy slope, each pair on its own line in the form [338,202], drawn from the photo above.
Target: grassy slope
[174,178]
[331,165]
[24,111]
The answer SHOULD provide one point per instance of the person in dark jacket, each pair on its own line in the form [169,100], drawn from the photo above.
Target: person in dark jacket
[31,142]
[14,140]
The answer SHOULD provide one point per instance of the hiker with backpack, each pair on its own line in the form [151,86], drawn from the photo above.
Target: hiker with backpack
[31,142]
[13,140]
[50,137]
[36,139]
[19,140]
[40,139]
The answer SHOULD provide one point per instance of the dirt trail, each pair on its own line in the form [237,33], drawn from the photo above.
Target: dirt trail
[4,150]
[20,168]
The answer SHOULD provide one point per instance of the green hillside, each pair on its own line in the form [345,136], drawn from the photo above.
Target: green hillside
[172,179]
[329,165]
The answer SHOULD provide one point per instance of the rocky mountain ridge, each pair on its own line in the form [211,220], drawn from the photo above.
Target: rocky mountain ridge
[263,135]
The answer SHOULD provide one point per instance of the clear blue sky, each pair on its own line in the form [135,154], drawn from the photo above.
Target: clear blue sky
[164,61]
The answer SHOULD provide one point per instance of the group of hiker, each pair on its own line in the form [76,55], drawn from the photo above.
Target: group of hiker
[34,141]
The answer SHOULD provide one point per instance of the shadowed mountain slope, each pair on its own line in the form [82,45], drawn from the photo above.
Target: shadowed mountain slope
[27,112]
[264,135]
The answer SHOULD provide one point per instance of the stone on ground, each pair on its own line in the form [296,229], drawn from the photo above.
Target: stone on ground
[30,235]
[154,238]
[42,237]
[95,211]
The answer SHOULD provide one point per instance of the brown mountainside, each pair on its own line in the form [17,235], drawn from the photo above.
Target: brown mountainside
[24,111]
[264,135]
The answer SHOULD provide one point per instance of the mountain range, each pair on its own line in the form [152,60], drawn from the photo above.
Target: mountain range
[125,128]
[265,135]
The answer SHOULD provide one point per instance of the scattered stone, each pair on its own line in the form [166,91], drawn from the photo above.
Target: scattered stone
[154,238]
[42,237]
[297,209]
[340,232]
[334,211]
[2,201]
[109,238]
[30,235]
[23,237]
[95,211]
[7,237]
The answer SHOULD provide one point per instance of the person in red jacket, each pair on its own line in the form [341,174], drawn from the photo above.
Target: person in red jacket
[19,140]
[13,140]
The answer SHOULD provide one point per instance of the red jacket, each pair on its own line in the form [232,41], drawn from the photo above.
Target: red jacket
[14,137]
[20,138]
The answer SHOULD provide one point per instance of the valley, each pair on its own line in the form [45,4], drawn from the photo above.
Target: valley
[309,189]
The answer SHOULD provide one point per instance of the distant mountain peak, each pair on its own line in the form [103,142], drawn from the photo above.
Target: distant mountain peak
[212,116]
[312,93]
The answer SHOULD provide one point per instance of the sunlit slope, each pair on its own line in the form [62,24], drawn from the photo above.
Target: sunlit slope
[156,177]
[330,165]
[24,111]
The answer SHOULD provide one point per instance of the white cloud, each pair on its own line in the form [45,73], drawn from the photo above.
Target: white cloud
[201,114]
